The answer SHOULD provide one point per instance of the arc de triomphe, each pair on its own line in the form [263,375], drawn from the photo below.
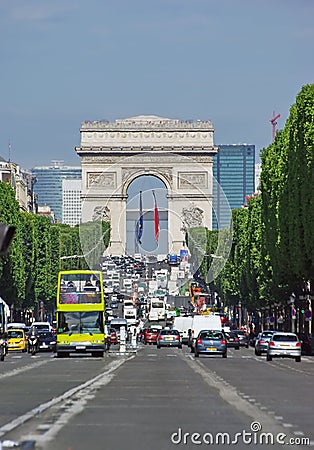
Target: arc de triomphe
[180,153]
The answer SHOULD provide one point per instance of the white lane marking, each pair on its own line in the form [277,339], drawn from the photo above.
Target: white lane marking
[23,369]
[44,406]
[232,397]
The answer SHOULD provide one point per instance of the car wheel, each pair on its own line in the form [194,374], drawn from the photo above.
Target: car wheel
[268,357]
[180,346]
[247,346]
[196,355]
[257,353]
[237,348]
[298,359]
[224,355]
[158,346]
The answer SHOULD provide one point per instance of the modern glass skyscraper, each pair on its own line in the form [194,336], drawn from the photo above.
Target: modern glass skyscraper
[48,185]
[234,170]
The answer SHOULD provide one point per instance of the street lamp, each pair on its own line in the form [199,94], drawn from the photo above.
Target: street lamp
[293,311]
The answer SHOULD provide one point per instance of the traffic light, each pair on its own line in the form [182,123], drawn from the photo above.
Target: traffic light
[6,236]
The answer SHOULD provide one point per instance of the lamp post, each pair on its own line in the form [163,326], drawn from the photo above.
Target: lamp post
[293,311]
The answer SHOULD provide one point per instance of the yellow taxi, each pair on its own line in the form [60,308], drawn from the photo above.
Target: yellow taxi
[17,340]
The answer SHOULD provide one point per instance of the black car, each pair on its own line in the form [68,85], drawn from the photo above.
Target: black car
[233,340]
[307,343]
[243,337]
[47,341]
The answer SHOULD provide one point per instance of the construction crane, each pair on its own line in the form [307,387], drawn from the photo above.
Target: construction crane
[274,123]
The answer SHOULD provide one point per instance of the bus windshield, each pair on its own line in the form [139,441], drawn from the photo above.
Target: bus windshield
[81,322]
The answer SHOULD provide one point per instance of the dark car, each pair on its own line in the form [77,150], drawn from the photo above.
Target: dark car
[261,344]
[150,335]
[307,343]
[232,339]
[46,341]
[211,342]
[169,338]
[243,338]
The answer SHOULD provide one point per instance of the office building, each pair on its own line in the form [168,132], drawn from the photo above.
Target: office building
[71,202]
[48,185]
[234,170]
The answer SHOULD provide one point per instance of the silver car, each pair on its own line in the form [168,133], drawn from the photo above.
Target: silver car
[284,345]
[169,338]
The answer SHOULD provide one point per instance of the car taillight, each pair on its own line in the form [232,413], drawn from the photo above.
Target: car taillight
[237,339]
[159,338]
[199,341]
[177,338]
[298,344]
[261,341]
[271,344]
[223,341]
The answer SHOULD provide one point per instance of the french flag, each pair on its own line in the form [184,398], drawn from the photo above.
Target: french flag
[156,218]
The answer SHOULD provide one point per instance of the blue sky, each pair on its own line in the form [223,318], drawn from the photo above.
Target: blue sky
[233,62]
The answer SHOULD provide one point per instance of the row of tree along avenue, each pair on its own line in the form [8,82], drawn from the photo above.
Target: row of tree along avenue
[271,259]
[271,267]
[40,249]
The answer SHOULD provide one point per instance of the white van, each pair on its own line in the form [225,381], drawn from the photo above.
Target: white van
[183,324]
[199,323]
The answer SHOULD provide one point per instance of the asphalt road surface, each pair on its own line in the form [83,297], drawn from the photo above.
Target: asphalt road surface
[156,399]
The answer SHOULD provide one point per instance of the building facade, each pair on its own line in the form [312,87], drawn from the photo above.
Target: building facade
[48,185]
[71,202]
[22,182]
[234,170]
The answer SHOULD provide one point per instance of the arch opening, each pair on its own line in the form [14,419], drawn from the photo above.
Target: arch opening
[147,198]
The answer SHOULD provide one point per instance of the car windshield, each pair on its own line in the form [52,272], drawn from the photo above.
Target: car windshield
[15,334]
[285,337]
[212,335]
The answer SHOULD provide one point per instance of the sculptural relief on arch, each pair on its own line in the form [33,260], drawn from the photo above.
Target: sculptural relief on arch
[180,153]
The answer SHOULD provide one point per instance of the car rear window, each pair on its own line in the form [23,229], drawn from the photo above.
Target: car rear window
[215,336]
[44,335]
[173,332]
[152,330]
[284,337]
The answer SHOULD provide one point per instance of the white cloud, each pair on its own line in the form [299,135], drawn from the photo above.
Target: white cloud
[36,10]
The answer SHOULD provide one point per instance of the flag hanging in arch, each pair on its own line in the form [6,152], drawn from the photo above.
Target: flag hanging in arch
[156,218]
[140,222]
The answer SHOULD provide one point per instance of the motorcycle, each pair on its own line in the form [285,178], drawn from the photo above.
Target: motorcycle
[3,349]
[33,345]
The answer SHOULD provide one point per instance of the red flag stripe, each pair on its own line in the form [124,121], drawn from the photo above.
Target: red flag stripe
[156,218]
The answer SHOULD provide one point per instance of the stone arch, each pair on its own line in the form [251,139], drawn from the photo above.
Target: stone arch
[179,153]
[145,172]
